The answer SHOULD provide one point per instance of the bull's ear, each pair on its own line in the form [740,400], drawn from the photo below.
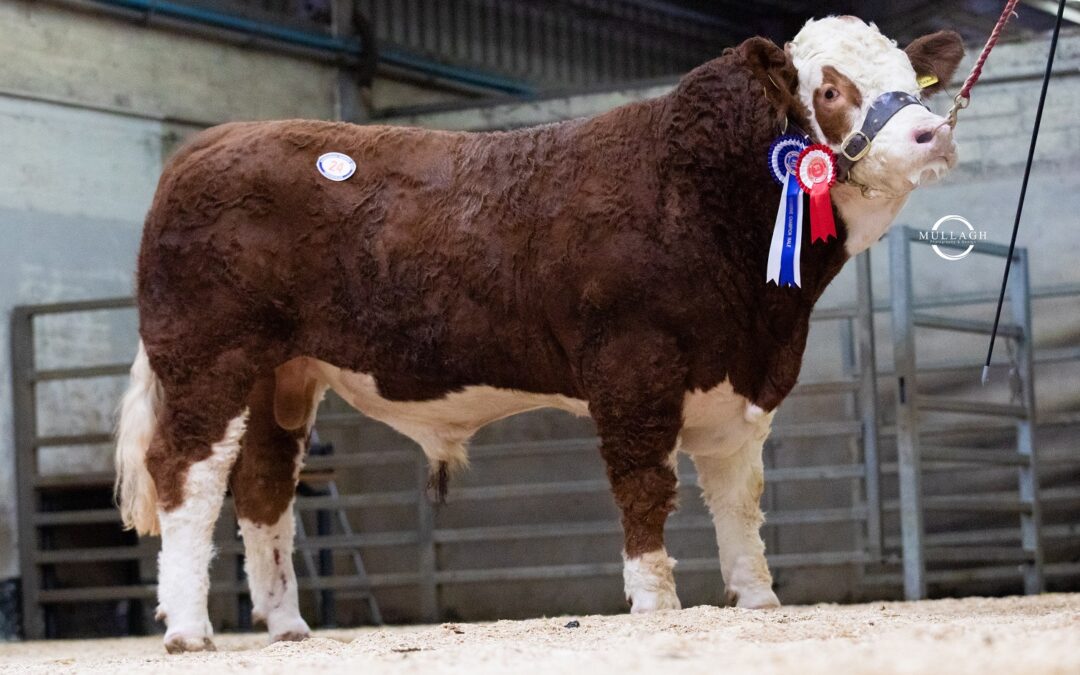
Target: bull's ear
[935,58]
[773,67]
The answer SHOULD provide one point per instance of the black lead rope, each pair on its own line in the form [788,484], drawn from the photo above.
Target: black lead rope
[1023,190]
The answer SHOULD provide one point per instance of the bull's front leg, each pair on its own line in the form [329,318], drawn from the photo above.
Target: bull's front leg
[635,396]
[731,485]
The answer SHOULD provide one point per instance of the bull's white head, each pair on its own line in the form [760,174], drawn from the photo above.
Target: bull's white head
[844,65]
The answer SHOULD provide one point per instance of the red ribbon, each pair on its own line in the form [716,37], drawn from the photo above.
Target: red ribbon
[816,172]
[822,225]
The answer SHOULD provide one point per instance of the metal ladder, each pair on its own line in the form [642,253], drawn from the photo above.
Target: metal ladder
[323,564]
[912,452]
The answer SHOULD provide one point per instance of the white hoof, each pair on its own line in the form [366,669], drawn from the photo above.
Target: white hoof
[644,602]
[649,583]
[288,629]
[757,598]
[750,585]
[180,640]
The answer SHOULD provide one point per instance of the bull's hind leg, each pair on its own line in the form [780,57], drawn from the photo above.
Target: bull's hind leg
[731,486]
[263,486]
[635,396]
[190,458]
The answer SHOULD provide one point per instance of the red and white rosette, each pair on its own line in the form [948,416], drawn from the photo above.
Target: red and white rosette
[816,172]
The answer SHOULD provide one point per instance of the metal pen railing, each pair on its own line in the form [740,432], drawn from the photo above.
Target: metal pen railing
[910,403]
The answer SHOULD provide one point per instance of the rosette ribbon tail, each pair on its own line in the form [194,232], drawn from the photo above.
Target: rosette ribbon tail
[822,224]
[783,264]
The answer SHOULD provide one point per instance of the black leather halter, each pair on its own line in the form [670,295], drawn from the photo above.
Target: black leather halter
[857,143]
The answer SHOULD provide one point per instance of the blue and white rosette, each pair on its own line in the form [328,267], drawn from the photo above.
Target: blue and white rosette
[786,246]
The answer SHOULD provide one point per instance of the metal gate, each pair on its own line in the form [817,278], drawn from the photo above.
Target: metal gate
[911,403]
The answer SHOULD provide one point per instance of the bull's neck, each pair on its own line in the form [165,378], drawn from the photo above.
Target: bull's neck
[867,218]
[770,324]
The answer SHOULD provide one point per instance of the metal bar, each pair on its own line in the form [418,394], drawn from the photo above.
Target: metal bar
[980,554]
[97,593]
[73,439]
[106,593]
[924,320]
[352,541]
[1028,478]
[907,417]
[942,404]
[87,516]
[75,480]
[777,561]
[324,527]
[971,456]
[605,528]
[962,576]
[22,361]
[687,480]
[357,459]
[826,388]
[868,402]
[83,373]
[1066,531]
[992,501]
[404,498]
[77,306]
[427,564]
[817,429]
[358,561]
[94,554]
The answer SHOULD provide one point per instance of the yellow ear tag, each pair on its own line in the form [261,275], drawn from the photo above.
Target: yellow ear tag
[925,81]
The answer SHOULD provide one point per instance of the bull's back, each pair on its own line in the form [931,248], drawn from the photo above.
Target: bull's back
[413,265]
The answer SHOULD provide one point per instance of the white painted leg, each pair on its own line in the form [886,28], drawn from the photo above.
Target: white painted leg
[731,486]
[268,563]
[649,582]
[187,547]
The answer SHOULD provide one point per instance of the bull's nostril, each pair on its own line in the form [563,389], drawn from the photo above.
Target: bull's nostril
[924,137]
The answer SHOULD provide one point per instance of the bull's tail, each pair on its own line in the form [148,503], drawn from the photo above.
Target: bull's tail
[134,490]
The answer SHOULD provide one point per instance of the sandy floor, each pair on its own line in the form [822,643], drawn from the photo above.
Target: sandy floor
[1010,635]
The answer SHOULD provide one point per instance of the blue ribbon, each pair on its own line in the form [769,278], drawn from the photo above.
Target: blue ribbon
[792,233]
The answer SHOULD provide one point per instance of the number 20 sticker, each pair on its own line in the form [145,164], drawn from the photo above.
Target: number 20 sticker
[336,166]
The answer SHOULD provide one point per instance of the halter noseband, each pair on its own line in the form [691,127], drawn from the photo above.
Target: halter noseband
[857,143]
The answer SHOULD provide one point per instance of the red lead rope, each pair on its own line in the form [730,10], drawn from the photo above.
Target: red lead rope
[964,97]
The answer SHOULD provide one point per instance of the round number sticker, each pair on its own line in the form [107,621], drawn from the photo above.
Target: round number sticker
[336,166]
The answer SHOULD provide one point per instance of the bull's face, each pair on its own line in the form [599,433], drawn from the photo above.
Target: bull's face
[844,65]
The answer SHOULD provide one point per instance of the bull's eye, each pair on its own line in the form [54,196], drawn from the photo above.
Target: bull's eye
[831,93]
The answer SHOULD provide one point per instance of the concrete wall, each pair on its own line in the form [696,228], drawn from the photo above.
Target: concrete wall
[89,108]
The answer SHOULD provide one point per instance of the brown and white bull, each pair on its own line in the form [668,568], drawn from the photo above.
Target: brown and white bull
[613,267]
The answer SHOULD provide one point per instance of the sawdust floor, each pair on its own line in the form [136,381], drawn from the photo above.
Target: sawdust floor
[1021,636]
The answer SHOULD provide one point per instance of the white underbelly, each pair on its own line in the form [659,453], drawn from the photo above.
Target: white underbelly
[442,426]
[715,422]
